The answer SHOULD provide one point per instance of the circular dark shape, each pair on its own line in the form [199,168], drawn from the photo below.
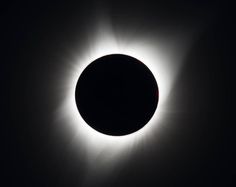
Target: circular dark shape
[116,94]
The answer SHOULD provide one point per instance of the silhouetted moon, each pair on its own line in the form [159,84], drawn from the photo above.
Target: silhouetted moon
[116,94]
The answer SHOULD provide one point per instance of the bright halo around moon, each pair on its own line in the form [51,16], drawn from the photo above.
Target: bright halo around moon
[162,57]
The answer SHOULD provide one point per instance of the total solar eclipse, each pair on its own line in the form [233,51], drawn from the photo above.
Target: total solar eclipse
[116,94]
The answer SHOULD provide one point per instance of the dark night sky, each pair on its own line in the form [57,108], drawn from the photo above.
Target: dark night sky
[198,148]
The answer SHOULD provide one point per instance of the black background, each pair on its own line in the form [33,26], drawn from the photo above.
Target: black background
[198,148]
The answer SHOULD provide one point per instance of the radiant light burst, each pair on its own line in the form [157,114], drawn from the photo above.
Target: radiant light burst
[163,55]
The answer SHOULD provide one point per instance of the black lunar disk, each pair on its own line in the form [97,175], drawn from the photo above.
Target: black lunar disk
[116,94]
